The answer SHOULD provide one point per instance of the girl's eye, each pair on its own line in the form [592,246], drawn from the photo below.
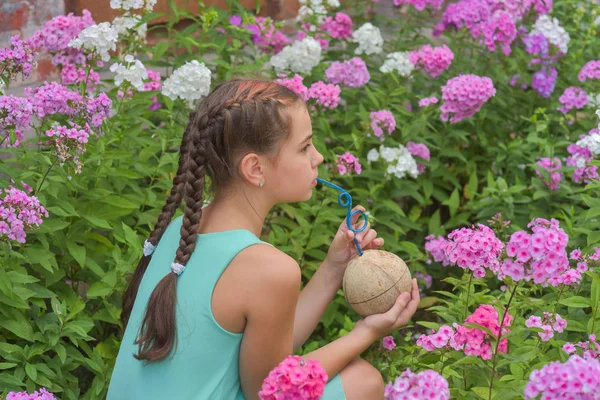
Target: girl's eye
[305,148]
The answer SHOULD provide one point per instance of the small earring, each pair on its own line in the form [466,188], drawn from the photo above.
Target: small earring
[261,183]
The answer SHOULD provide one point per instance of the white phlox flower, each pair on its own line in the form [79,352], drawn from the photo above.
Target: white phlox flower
[189,82]
[369,39]
[301,56]
[133,72]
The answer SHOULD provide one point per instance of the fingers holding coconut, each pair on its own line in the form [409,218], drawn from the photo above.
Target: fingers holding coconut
[411,307]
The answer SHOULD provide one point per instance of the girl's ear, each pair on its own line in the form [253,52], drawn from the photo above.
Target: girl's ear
[252,169]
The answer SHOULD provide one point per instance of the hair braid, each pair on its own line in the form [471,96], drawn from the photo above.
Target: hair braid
[171,205]
[235,117]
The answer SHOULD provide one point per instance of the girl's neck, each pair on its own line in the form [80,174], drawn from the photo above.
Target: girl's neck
[241,209]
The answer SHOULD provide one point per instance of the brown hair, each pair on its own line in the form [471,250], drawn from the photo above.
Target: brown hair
[237,116]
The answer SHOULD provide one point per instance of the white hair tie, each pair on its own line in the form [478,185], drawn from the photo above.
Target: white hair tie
[148,248]
[177,268]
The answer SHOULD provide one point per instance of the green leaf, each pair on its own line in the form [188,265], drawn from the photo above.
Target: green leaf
[483,392]
[160,49]
[19,327]
[453,202]
[78,252]
[98,222]
[6,365]
[31,371]
[428,324]
[61,352]
[595,292]
[99,289]
[576,302]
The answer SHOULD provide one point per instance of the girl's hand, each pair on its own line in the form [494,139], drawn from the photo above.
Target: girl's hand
[342,248]
[380,325]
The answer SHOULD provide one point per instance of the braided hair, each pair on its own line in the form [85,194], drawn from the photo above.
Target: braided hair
[237,117]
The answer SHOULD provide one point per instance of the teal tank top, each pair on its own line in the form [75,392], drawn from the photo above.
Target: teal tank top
[205,362]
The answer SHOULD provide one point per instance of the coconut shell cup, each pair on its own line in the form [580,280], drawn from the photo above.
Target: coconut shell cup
[372,282]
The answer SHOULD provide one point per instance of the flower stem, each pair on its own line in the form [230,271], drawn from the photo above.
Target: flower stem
[562,288]
[45,176]
[468,295]
[495,356]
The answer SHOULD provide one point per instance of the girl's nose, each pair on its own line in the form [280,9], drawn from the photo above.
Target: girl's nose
[318,160]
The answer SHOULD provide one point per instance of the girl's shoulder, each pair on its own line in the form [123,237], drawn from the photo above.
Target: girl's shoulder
[263,264]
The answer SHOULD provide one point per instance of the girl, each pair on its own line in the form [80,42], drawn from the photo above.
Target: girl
[211,309]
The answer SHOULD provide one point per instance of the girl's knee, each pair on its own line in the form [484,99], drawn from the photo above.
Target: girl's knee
[362,381]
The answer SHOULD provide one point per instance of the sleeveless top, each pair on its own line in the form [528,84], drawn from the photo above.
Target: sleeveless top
[204,363]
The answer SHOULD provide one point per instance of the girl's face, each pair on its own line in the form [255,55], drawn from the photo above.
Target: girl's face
[293,173]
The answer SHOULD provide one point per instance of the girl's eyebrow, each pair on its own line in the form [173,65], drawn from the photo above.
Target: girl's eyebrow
[307,138]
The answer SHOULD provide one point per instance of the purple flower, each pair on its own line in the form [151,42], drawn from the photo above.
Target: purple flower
[388,343]
[235,20]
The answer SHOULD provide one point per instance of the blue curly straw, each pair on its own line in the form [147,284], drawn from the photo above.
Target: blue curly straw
[345,200]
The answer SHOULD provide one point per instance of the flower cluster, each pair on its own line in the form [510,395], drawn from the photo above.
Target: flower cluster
[72,74]
[591,70]
[294,378]
[540,256]
[133,72]
[70,144]
[55,35]
[427,384]
[326,94]
[124,24]
[544,81]
[428,279]
[369,39]
[338,27]
[352,73]
[553,31]
[491,27]
[536,44]
[295,84]
[400,162]
[315,9]
[189,82]
[577,378]
[19,212]
[590,142]
[572,97]
[475,249]
[97,39]
[154,82]
[434,60]
[388,343]
[399,62]
[420,4]
[580,157]
[132,4]
[419,150]
[464,95]
[436,247]
[301,56]
[550,165]
[472,340]
[265,34]
[382,118]
[427,101]
[19,58]
[348,163]
[53,98]
[590,349]
[550,323]
[15,115]
[43,394]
